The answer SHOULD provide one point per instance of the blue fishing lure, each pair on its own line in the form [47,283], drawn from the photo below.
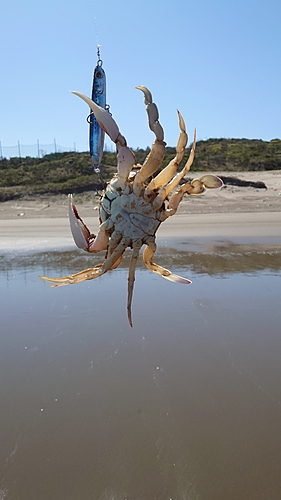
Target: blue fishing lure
[96,135]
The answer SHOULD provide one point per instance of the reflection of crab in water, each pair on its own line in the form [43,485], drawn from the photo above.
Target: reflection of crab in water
[134,204]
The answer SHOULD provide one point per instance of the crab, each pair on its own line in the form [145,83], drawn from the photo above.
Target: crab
[135,201]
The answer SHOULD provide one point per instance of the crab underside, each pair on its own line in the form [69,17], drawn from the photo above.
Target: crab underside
[135,202]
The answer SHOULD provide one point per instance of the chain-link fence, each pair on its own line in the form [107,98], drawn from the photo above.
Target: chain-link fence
[37,150]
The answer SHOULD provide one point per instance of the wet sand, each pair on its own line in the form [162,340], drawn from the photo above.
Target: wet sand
[19,235]
[186,405]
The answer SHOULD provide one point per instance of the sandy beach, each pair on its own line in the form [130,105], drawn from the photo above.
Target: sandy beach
[247,213]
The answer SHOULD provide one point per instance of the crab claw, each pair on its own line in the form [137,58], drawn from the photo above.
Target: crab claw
[79,230]
[81,234]
[104,120]
[125,157]
[206,181]
[211,181]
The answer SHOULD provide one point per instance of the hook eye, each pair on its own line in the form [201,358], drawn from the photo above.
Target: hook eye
[88,119]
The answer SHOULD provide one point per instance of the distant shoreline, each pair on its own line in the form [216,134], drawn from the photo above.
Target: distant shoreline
[229,199]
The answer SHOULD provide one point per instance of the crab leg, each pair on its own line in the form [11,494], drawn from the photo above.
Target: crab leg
[125,157]
[72,279]
[168,172]
[194,188]
[178,177]
[156,155]
[131,278]
[94,272]
[166,190]
[115,239]
[148,254]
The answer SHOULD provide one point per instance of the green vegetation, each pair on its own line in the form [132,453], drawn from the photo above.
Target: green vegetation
[238,155]
[72,172]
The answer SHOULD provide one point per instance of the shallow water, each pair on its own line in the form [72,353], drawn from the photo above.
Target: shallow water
[184,406]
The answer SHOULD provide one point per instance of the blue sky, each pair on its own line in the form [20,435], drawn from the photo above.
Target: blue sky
[217,61]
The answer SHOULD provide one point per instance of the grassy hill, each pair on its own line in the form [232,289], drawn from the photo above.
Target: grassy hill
[72,172]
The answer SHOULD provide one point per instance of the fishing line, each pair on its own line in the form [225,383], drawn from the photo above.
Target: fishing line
[96,29]
[96,135]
